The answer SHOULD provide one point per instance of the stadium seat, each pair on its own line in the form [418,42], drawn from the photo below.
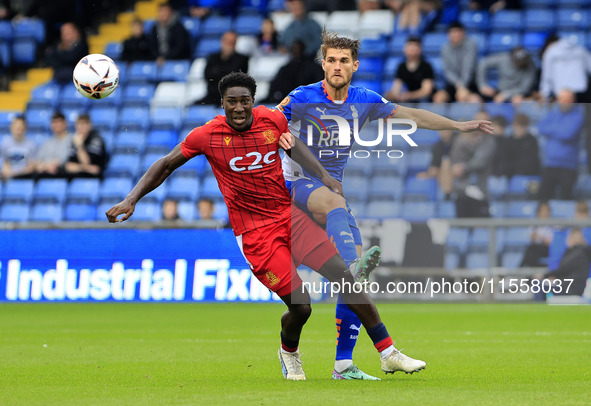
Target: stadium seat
[173,71]
[463,111]
[147,160]
[385,188]
[198,115]
[503,42]
[446,210]
[247,45]
[138,94]
[373,23]
[522,186]
[80,212]
[452,260]
[196,91]
[497,187]
[210,189]
[193,27]
[16,212]
[371,47]
[51,212]
[396,44]
[562,208]
[129,142]
[511,260]
[481,40]
[44,96]
[432,44]
[24,52]
[382,210]
[169,94]
[215,26]
[126,165]
[142,71]
[69,97]
[506,20]
[385,166]
[474,21]
[220,211]
[157,195]
[147,211]
[501,109]
[346,23]
[50,191]
[6,118]
[266,67]
[371,84]
[134,118]
[477,260]
[521,208]
[104,117]
[247,24]
[573,19]
[38,119]
[6,30]
[356,188]
[583,186]
[457,240]
[391,67]
[112,189]
[575,37]
[545,4]
[159,139]
[539,20]
[18,191]
[516,239]
[497,209]
[426,138]
[420,189]
[480,240]
[5,55]
[206,46]
[418,161]
[183,188]
[370,68]
[82,190]
[187,210]
[197,70]
[113,50]
[534,41]
[30,28]
[166,118]
[418,211]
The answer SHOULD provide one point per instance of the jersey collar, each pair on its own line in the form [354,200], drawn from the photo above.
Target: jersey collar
[328,96]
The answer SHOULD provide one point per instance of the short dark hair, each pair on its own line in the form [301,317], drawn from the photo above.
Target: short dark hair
[456,24]
[83,117]
[414,39]
[237,79]
[521,119]
[20,117]
[500,120]
[58,115]
[332,40]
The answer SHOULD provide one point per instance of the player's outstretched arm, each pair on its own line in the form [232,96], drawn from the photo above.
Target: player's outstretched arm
[431,121]
[300,153]
[154,176]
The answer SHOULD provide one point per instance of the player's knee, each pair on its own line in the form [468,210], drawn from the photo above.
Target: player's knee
[303,312]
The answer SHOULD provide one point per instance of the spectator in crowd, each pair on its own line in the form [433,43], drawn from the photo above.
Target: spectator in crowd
[581,210]
[55,151]
[459,56]
[471,163]
[414,77]
[574,264]
[440,167]
[415,16]
[169,40]
[565,65]
[366,5]
[494,5]
[221,63]
[170,210]
[5,10]
[499,130]
[536,253]
[88,156]
[268,38]
[205,208]
[517,76]
[136,47]
[17,151]
[521,152]
[67,53]
[302,28]
[561,129]
[300,69]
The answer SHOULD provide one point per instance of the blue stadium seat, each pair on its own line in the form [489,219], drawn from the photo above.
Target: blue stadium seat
[575,37]
[104,117]
[109,139]
[539,20]
[161,138]
[6,118]
[418,211]
[545,4]
[138,94]
[147,160]
[174,71]
[583,186]
[193,27]
[432,43]
[247,24]
[418,161]
[497,209]
[18,191]
[44,96]
[5,55]
[6,30]
[372,84]
[521,186]
[497,187]
[396,44]
[52,212]
[82,190]
[114,189]
[147,211]
[562,208]
[356,188]
[506,20]
[533,41]
[477,260]
[446,210]
[370,68]
[142,71]
[521,208]
[475,21]
[382,210]
[50,191]
[511,260]
[187,210]
[69,97]
[463,111]
[426,138]
[457,240]
[420,189]
[481,40]
[194,168]
[385,188]
[573,19]
[166,118]
[385,166]
[220,211]
[516,239]
[206,46]
[501,109]
[113,50]
[215,26]
[358,208]
[503,42]
[30,28]
[80,212]
[24,51]
[198,115]
[391,66]
[211,189]
[38,119]
[126,165]
[134,118]
[183,188]
[130,142]
[372,47]
[452,260]
[480,240]
[16,212]
[579,4]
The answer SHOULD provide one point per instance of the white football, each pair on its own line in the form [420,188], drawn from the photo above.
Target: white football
[96,76]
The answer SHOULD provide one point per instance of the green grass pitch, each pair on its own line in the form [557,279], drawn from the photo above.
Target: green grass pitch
[208,354]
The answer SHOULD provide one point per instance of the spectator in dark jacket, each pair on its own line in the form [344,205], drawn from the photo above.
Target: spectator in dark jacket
[169,39]
[521,154]
[67,53]
[440,166]
[136,47]
[88,156]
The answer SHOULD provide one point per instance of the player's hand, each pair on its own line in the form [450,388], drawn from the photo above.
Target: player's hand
[476,125]
[286,141]
[123,207]
[333,185]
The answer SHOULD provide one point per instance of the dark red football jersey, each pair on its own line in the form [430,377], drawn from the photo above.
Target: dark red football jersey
[247,167]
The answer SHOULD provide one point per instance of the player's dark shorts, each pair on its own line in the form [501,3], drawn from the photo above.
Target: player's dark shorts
[301,190]
[275,251]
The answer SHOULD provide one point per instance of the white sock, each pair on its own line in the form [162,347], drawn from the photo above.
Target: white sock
[386,353]
[287,352]
[341,364]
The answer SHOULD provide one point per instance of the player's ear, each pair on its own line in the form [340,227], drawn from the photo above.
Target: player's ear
[323,67]
[356,65]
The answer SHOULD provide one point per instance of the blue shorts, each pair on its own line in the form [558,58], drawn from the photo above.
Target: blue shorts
[300,191]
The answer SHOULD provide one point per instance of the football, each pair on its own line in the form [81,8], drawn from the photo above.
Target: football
[96,76]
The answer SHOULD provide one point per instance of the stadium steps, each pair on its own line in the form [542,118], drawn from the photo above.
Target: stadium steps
[20,90]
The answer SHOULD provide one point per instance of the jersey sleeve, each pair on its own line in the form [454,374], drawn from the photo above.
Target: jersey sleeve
[295,96]
[381,108]
[279,119]
[195,142]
